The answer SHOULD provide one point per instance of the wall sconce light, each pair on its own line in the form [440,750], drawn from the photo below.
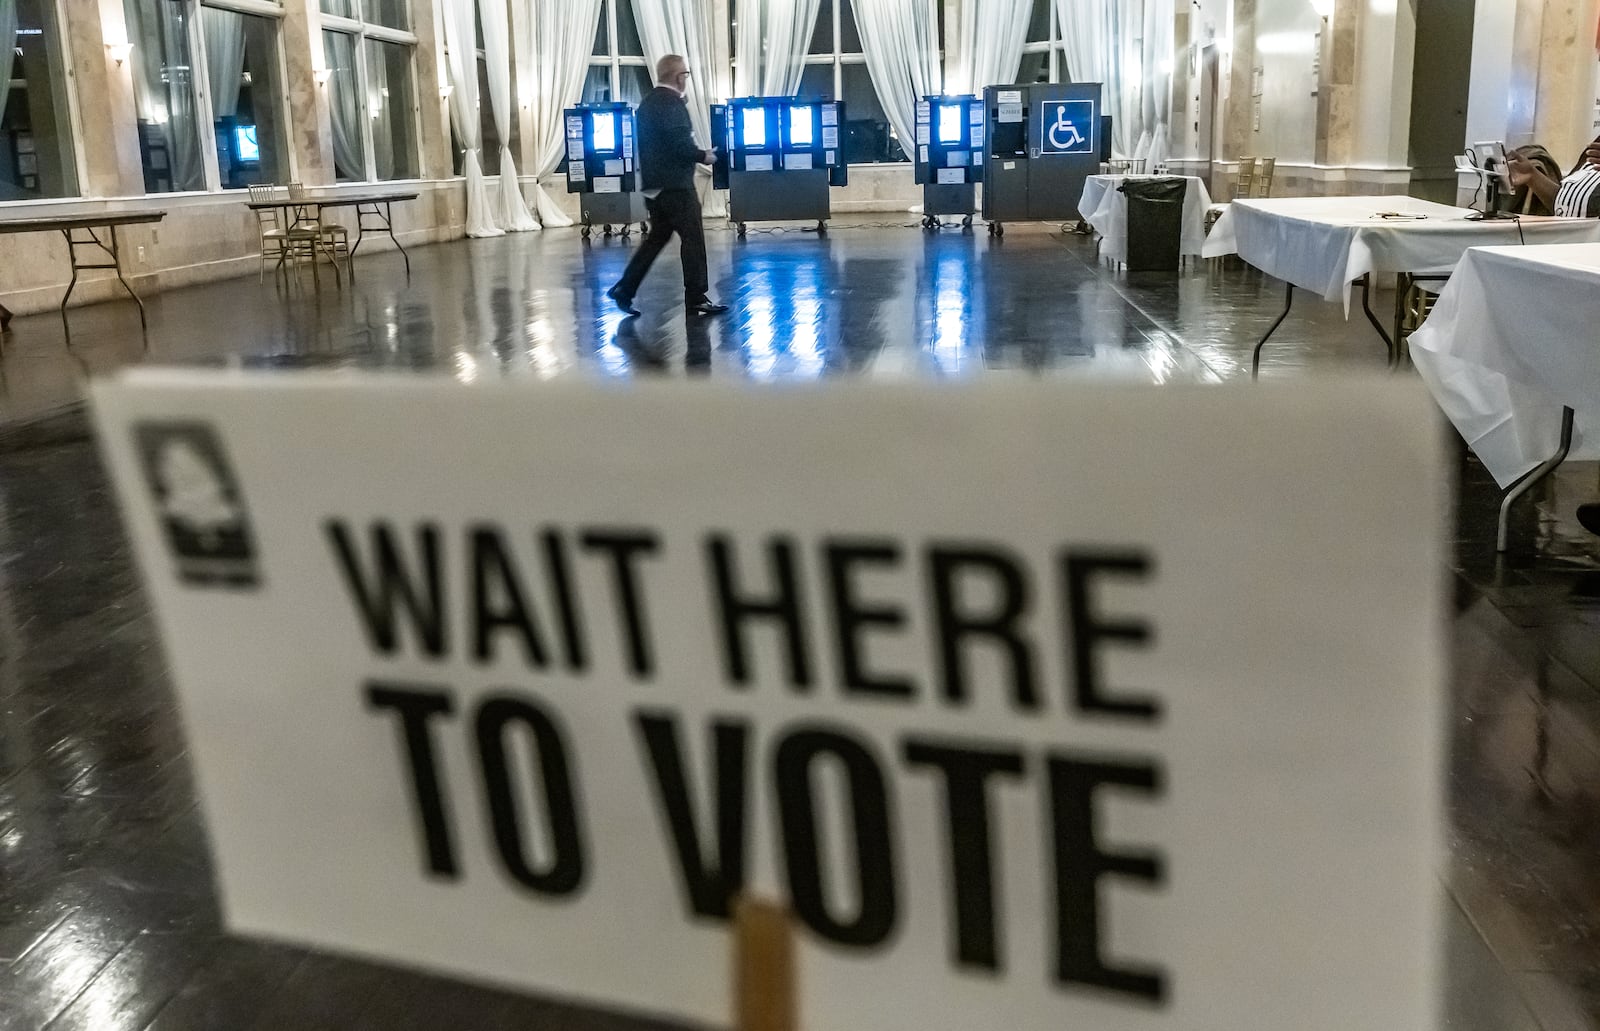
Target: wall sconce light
[322,75]
[119,52]
[446,90]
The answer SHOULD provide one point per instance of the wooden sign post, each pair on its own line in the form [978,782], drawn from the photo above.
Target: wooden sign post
[763,966]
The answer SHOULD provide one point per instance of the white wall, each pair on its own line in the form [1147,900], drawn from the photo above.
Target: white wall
[1286,50]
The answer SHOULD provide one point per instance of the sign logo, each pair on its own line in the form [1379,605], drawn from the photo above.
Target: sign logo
[202,511]
[1067,127]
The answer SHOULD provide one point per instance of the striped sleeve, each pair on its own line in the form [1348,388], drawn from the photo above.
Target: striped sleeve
[1579,196]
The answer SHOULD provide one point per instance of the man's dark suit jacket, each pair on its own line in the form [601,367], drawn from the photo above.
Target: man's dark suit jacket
[667,151]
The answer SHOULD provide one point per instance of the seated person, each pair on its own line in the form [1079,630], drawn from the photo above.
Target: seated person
[1524,201]
[1576,196]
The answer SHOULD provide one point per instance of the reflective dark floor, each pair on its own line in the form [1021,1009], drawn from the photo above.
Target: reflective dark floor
[107,914]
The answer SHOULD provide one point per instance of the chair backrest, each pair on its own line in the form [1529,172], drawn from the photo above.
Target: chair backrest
[1247,172]
[261,193]
[1264,175]
[297,190]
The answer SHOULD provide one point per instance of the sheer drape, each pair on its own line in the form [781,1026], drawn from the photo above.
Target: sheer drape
[684,27]
[900,40]
[224,36]
[989,49]
[1127,46]
[8,46]
[562,34]
[773,38]
[510,210]
[461,56]
[164,87]
[344,105]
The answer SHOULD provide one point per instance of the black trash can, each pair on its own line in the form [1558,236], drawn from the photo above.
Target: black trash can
[1155,222]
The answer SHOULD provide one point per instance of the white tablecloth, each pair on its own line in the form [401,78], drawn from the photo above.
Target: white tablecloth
[1514,337]
[1323,244]
[1105,208]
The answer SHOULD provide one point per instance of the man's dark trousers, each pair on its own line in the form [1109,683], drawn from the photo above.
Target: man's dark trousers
[672,211]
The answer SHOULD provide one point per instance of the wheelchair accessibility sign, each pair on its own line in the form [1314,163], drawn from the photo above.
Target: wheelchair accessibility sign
[1066,127]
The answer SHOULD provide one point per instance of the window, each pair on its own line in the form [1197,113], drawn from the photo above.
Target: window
[367,51]
[617,66]
[488,131]
[1043,56]
[35,129]
[208,88]
[836,69]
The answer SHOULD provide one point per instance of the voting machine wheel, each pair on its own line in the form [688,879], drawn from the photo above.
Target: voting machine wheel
[644,228]
[966,222]
[822,228]
[740,230]
[997,229]
[608,230]
[585,231]
[626,230]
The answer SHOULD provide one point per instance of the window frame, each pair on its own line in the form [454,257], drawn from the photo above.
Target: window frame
[362,31]
[839,59]
[1054,46]
[206,113]
[613,60]
[73,113]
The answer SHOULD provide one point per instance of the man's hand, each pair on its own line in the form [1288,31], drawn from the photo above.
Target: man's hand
[1591,153]
[709,157]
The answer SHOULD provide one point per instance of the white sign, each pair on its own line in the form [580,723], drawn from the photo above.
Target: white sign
[950,176]
[1009,113]
[613,167]
[830,136]
[607,184]
[830,114]
[1008,96]
[758,162]
[1036,722]
[797,161]
[574,150]
[922,132]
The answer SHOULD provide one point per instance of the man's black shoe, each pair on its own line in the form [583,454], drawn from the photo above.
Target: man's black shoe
[1589,517]
[705,308]
[624,303]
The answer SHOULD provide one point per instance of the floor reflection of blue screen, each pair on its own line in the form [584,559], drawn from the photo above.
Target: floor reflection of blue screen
[950,123]
[799,127]
[605,131]
[244,140]
[755,127]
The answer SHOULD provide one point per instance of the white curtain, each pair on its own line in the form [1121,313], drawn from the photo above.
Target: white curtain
[224,35]
[460,40]
[684,27]
[773,37]
[1127,46]
[8,46]
[510,210]
[562,34]
[900,40]
[344,104]
[989,48]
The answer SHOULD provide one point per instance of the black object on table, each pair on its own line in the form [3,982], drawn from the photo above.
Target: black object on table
[69,226]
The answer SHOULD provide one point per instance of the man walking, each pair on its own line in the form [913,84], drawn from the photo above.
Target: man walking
[667,156]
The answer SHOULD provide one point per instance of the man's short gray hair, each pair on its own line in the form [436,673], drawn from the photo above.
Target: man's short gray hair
[665,66]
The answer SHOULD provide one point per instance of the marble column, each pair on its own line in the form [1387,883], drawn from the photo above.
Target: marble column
[1564,112]
[1336,86]
[1522,97]
[310,128]
[1182,126]
[429,70]
[107,131]
[1238,133]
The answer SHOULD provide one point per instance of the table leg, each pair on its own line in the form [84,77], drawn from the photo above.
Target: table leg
[1366,306]
[1525,484]
[116,263]
[1255,359]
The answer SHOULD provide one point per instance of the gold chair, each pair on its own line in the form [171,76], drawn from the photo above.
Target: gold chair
[332,238]
[282,241]
[1264,174]
[1247,172]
